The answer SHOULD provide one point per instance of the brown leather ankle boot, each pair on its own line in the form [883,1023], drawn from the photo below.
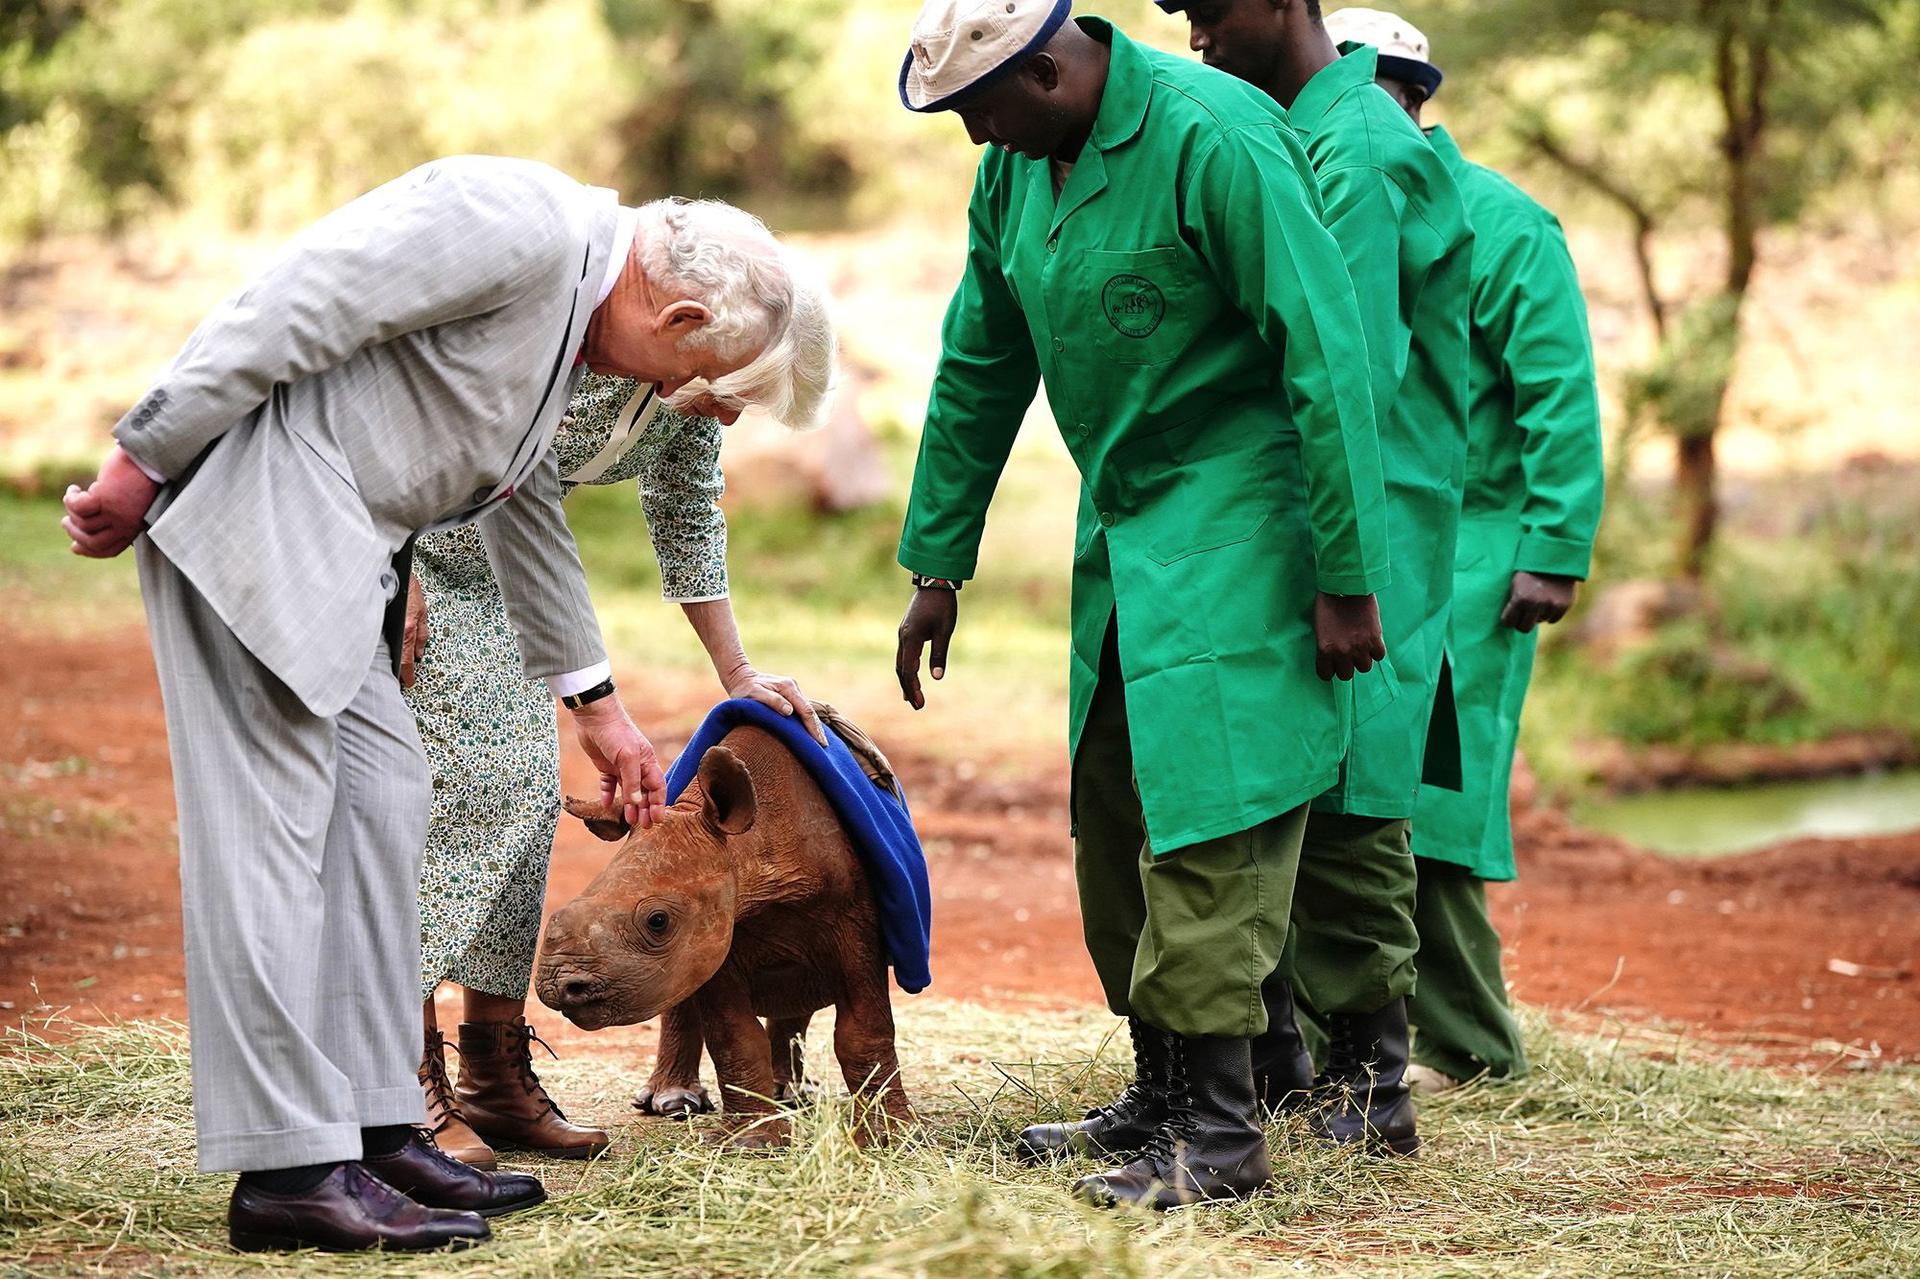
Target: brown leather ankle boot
[503,1100]
[445,1124]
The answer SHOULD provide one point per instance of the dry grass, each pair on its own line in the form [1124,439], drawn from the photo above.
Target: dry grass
[1630,1153]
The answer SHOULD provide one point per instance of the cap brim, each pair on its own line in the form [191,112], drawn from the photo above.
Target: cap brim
[1423,74]
[1062,10]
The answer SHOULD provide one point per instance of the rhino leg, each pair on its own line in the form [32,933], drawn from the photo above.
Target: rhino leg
[743,1058]
[675,1090]
[788,1038]
[863,1041]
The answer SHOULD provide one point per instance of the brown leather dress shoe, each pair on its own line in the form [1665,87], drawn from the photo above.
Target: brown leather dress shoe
[445,1123]
[502,1098]
[428,1175]
[350,1211]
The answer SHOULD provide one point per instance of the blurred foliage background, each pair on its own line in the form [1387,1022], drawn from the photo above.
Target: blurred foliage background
[1740,180]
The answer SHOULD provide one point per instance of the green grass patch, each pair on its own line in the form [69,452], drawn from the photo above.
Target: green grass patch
[1628,1153]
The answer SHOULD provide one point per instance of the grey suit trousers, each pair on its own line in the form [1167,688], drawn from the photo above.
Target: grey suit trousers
[300,846]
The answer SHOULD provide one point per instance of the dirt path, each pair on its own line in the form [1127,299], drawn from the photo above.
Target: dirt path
[1738,948]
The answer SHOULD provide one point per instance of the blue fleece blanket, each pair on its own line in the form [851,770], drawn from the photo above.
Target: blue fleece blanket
[879,825]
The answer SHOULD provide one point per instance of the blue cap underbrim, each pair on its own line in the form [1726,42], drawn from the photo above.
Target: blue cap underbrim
[1424,74]
[1062,9]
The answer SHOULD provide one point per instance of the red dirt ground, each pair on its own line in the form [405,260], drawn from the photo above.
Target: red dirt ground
[1735,949]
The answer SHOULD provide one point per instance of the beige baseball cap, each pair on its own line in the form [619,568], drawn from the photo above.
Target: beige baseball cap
[1405,53]
[961,46]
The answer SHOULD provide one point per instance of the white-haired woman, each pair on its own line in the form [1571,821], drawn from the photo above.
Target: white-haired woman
[489,731]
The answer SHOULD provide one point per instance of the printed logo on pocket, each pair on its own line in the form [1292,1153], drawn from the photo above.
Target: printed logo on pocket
[1134,305]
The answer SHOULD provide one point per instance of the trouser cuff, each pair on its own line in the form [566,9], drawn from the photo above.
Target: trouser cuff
[279,1148]
[379,1106]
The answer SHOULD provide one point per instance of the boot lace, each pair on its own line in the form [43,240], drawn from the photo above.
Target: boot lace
[439,1085]
[526,1037]
[1348,1076]
[1139,1095]
[1181,1124]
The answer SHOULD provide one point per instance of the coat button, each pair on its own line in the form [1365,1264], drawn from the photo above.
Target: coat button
[1053,246]
[388,582]
[1106,519]
[1082,430]
[1058,345]
[481,495]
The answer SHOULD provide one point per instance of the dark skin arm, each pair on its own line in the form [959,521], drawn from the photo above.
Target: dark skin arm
[1537,599]
[931,617]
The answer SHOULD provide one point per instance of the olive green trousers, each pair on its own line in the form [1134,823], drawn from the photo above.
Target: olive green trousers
[1185,940]
[1462,1023]
[1353,939]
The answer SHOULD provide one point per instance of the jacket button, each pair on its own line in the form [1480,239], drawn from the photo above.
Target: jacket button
[1058,345]
[1082,430]
[1053,246]
[481,495]
[1106,519]
[388,582]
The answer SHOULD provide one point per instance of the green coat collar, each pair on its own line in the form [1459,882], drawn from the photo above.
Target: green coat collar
[1446,148]
[1123,109]
[1357,65]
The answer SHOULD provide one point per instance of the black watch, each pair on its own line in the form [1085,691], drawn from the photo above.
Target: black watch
[587,696]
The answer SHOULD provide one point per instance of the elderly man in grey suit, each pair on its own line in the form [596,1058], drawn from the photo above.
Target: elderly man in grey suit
[400,366]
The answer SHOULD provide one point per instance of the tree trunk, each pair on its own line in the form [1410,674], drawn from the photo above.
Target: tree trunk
[1743,67]
[1694,481]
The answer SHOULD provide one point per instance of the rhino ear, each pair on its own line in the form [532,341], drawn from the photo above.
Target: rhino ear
[727,788]
[606,821]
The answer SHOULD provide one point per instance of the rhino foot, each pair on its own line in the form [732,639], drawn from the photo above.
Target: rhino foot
[672,1101]
[764,1133]
[797,1095]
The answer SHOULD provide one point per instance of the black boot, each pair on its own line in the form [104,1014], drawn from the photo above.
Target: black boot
[1211,1146]
[1363,1095]
[1282,1069]
[1119,1129]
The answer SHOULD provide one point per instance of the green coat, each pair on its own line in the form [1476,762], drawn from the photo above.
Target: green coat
[1221,485]
[1533,495]
[1400,222]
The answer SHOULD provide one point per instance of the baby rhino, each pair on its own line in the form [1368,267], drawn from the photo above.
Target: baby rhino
[746,901]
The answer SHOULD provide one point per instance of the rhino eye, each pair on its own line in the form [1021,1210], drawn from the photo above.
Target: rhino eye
[657,923]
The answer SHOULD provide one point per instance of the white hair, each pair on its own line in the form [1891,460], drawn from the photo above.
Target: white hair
[762,297]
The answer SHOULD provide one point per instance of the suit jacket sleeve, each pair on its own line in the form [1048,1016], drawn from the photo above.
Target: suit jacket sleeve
[1534,314]
[1252,212]
[538,568]
[435,245]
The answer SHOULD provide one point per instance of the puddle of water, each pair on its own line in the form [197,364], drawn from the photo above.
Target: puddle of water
[1709,823]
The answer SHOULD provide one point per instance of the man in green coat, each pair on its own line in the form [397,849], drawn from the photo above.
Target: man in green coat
[1399,220]
[1144,235]
[1533,496]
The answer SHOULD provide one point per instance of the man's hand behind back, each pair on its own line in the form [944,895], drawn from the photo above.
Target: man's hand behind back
[104,518]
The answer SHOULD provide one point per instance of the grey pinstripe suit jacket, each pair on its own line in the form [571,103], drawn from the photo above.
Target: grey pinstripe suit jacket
[402,364]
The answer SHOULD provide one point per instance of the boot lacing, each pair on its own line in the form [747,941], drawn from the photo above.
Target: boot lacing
[439,1085]
[525,1037]
[1182,1124]
[1138,1096]
[1348,1069]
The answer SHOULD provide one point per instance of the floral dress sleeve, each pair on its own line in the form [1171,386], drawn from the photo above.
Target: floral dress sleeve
[680,487]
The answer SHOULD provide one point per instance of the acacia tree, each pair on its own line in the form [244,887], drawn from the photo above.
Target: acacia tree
[1734,113]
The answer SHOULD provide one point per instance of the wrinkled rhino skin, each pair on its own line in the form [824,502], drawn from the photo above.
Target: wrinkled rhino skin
[747,901]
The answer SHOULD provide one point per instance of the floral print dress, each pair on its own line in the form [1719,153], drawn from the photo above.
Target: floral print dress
[489,731]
